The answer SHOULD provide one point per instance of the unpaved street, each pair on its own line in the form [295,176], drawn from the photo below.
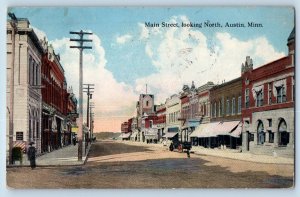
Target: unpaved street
[113,164]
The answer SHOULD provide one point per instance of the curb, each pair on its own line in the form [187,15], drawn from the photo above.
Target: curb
[54,165]
[203,154]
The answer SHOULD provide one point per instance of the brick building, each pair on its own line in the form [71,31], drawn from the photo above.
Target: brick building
[190,113]
[268,105]
[224,117]
[160,122]
[55,101]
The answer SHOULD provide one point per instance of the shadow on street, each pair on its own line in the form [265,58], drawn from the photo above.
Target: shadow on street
[103,148]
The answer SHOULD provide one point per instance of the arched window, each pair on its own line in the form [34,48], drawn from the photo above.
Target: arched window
[260,133]
[284,136]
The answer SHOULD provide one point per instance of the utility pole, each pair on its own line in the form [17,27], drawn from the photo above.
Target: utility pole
[89,89]
[91,120]
[14,24]
[81,48]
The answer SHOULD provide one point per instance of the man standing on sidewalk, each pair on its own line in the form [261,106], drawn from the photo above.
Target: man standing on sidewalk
[31,155]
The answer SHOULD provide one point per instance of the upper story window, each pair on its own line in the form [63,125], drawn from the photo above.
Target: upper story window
[220,108]
[293,88]
[270,93]
[259,98]
[247,100]
[233,106]
[227,107]
[281,94]
[239,104]
[215,108]
[147,103]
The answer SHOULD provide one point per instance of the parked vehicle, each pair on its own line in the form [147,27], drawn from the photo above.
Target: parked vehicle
[180,146]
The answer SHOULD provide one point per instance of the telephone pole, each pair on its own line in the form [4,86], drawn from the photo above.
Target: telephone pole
[92,120]
[89,90]
[14,30]
[81,48]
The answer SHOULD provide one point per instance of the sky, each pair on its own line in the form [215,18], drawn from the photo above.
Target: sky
[127,55]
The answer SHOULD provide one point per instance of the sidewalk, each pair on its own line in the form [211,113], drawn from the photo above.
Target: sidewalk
[231,154]
[227,153]
[66,156]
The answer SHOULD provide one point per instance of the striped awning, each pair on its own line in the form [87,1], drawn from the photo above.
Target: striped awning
[237,132]
[225,128]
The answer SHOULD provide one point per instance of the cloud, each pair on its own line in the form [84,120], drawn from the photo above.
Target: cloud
[123,39]
[183,55]
[115,100]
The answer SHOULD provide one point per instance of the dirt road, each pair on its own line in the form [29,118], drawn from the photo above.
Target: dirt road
[113,164]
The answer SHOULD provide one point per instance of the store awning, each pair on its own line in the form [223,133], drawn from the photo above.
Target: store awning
[237,132]
[209,130]
[169,135]
[205,130]
[225,128]
[125,135]
[199,130]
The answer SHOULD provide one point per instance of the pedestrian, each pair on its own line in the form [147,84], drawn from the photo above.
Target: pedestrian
[31,155]
[74,140]
[188,153]
[171,147]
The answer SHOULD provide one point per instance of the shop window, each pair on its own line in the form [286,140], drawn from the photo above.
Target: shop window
[251,137]
[260,133]
[284,136]
[271,137]
[270,122]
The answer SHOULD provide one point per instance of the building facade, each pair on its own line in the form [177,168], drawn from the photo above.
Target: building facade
[160,122]
[25,56]
[173,113]
[268,109]
[145,107]
[226,103]
[55,132]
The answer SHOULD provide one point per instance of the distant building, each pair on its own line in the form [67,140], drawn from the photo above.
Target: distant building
[268,105]
[145,107]
[160,122]
[173,113]
[125,134]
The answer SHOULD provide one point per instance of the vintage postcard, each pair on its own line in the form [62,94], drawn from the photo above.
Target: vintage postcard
[150,97]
